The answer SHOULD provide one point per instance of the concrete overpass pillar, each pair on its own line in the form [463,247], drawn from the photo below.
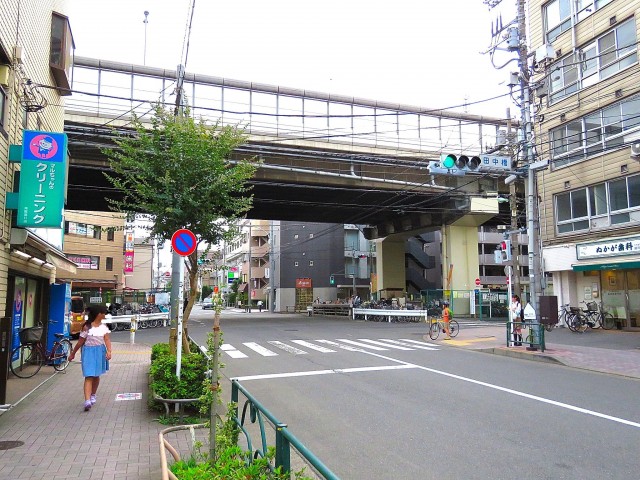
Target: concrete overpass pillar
[390,265]
[460,260]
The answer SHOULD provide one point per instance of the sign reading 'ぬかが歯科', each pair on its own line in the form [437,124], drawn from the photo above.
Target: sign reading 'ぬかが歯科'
[42,179]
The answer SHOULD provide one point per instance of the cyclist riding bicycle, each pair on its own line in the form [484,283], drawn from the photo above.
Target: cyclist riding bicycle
[446,317]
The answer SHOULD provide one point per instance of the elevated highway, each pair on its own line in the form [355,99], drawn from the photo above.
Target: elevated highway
[324,158]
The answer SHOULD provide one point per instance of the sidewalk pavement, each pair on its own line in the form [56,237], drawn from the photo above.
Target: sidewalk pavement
[116,440]
[608,351]
[46,433]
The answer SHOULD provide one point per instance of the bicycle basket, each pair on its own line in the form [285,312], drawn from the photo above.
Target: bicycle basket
[575,310]
[592,306]
[31,335]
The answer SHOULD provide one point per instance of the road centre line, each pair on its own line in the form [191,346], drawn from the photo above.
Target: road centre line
[513,392]
[322,372]
[407,365]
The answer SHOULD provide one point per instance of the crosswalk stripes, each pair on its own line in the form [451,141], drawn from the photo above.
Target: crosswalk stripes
[362,344]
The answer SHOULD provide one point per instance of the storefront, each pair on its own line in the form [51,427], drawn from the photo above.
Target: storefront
[606,271]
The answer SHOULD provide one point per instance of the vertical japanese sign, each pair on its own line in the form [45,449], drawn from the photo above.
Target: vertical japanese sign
[42,179]
[128,252]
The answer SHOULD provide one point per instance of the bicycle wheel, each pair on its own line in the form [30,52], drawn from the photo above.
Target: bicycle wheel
[28,361]
[454,328]
[434,331]
[60,354]
[607,321]
[578,324]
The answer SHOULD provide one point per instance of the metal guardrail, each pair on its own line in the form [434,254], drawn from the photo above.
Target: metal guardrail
[285,440]
[534,337]
[420,315]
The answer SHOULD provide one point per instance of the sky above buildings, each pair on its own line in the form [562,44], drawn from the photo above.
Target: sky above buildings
[420,53]
[423,53]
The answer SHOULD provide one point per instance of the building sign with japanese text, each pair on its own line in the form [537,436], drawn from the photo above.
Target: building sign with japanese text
[608,248]
[42,179]
[86,262]
[128,252]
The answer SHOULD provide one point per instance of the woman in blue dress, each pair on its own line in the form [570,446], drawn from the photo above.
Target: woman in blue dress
[95,342]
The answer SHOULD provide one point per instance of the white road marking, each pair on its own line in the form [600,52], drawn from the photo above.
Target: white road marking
[287,348]
[397,347]
[358,344]
[260,349]
[420,343]
[313,346]
[231,351]
[423,346]
[345,347]
[513,392]
[322,372]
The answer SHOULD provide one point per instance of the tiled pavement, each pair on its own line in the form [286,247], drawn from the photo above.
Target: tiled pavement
[611,352]
[119,439]
[115,440]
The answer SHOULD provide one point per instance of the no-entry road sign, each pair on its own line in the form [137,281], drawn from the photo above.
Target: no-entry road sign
[184,242]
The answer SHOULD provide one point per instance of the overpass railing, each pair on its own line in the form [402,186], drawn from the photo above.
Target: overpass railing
[115,91]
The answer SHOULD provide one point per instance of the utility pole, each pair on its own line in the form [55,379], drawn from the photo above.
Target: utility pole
[145,21]
[515,240]
[249,276]
[528,157]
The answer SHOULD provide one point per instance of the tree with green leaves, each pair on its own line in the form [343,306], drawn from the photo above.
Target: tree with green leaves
[179,171]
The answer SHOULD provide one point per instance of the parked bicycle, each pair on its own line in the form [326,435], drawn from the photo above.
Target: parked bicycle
[436,325]
[28,358]
[597,316]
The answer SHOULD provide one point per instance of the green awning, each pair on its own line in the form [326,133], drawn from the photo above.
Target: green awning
[606,266]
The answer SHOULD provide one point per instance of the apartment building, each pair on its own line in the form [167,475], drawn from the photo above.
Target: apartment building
[587,125]
[36,50]
[94,242]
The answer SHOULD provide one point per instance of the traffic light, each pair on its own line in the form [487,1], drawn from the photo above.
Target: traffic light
[332,280]
[215,289]
[505,246]
[454,164]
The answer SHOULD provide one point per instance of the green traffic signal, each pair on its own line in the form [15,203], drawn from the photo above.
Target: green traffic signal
[332,280]
[449,161]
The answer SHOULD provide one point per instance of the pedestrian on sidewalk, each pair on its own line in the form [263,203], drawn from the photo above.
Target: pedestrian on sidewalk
[446,317]
[95,341]
[516,318]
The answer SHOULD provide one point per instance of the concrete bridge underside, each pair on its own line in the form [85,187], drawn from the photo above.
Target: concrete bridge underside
[306,182]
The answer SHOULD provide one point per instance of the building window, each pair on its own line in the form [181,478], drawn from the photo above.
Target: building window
[606,56]
[599,131]
[110,235]
[564,78]
[83,230]
[61,54]
[599,206]
[109,264]
[557,15]
[557,18]
[85,262]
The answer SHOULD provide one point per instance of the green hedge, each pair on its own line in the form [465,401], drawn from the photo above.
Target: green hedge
[164,381]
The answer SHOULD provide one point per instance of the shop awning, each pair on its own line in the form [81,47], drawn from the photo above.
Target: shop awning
[61,262]
[605,266]
[31,245]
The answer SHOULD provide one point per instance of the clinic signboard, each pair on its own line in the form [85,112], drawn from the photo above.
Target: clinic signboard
[43,173]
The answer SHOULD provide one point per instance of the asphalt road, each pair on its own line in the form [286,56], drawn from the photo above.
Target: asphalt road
[431,412]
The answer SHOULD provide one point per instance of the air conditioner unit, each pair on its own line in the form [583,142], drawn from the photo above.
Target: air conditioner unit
[635,150]
[4,75]
[18,54]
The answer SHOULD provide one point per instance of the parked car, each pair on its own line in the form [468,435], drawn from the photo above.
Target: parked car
[77,316]
[207,304]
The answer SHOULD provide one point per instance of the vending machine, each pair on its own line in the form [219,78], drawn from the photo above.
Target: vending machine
[59,312]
